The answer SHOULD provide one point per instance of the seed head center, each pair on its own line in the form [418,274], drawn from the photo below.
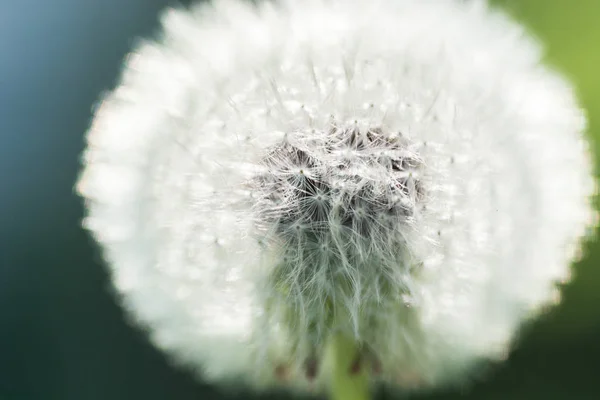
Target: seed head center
[344,181]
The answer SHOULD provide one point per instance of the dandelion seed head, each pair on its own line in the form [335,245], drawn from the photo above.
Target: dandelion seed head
[406,172]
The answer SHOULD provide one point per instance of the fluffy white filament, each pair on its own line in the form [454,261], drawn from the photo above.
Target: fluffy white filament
[461,198]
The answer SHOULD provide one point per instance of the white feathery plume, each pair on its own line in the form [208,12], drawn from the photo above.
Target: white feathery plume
[404,172]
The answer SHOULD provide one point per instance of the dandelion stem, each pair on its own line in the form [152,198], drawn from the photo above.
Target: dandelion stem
[346,381]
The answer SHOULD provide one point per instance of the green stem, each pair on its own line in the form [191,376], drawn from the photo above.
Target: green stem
[346,384]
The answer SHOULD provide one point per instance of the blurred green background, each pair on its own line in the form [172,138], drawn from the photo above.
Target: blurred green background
[61,334]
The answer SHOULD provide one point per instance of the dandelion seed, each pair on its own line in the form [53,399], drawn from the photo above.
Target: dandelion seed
[405,175]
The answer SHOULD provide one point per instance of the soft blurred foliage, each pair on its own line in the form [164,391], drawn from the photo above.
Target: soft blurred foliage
[62,335]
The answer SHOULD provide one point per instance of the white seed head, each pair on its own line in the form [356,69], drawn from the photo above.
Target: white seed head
[406,172]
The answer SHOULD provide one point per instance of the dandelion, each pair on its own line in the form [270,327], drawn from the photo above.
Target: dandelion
[305,195]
